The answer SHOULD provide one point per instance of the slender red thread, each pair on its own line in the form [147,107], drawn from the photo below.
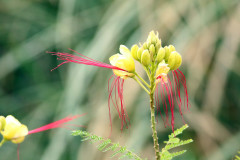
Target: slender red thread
[115,98]
[173,95]
[81,59]
[56,124]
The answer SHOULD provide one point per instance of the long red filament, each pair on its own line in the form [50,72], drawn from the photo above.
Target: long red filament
[56,124]
[67,58]
[115,98]
[173,95]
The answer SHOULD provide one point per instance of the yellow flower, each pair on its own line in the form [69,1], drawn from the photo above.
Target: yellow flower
[162,72]
[14,131]
[123,61]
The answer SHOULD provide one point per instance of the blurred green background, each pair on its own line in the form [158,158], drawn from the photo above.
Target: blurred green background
[205,32]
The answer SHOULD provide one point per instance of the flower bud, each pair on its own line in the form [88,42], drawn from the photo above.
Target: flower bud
[139,53]
[2,122]
[171,48]
[145,59]
[152,38]
[14,131]
[145,45]
[158,46]
[174,60]
[167,53]
[168,50]
[152,50]
[160,55]
[134,50]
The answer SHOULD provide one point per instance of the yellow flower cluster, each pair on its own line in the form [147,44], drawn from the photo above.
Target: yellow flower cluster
[151,53]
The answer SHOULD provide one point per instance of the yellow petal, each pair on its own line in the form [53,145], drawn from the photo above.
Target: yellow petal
[124,50]
[162,69]
[123,62]
[14,131]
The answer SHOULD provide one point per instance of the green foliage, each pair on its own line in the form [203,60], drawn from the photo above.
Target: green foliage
[107,145]
[237,157]
[174,142]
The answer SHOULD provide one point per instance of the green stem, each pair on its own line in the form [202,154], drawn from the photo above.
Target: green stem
[152,109]
[147,71]
[141,84]
[3,141]
[142,80]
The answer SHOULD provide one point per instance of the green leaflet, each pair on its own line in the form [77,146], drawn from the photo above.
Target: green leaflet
[107,145]
[174,142]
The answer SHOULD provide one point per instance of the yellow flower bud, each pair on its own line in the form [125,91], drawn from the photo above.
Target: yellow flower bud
[123,61]
[139,53]
[174,60]
[158,46]
[171,48]
[145,45]
[152,49]
[160,55]
[134,50]
[2,122]
[14,131]
[145,59]
[168,50]
[167,53]
[153,38]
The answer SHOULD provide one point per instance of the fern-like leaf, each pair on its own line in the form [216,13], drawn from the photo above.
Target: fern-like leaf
[174,142]
[106,145]
[237,157]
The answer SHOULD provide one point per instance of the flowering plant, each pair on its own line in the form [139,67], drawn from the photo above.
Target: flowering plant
[161,64]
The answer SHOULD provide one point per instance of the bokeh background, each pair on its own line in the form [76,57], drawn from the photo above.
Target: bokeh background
[205,32]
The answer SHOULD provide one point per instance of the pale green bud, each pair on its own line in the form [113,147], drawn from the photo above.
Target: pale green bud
[152,49]
[145,58]
[171,48]
[2,122]
[168,50]
[167,53]
[174,60]
[160,55]
[145,45]
[152,37]
[158,46]
[139,53]
[134,50]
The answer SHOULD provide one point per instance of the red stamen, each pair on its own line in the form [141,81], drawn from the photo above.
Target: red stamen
[164,102]
[183,81]
[116,88]
[67,58]
[55,124]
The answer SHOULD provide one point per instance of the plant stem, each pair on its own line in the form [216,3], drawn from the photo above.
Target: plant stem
[147,71]
[3,141]
[141,84]
[152,108]
[142,80]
